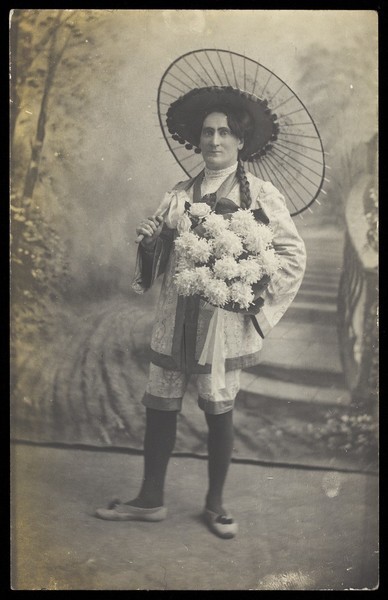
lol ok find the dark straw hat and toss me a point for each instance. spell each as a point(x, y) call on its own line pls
point(283, 145)
point(202, 100)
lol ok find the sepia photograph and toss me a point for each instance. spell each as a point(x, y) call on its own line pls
point(194, 299)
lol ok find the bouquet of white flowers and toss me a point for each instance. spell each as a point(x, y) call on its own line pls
point(227, 259)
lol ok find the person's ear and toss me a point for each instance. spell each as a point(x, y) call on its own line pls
point(240, 144)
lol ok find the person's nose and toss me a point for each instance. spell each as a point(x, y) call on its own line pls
point(215, 139)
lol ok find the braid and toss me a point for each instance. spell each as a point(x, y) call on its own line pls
point(245, 193)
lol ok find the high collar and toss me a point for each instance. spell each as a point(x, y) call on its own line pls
point(219, 173)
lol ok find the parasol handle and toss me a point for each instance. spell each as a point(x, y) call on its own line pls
point(141, 236)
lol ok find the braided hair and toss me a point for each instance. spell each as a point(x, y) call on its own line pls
point(245, 192)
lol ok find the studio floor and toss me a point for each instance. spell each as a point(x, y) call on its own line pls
point(300, 528)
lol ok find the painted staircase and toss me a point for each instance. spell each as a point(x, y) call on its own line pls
point(300, 358)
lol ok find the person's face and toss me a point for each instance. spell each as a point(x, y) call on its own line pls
point(218, 144)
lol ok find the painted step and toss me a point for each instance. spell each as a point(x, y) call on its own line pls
point(308, 284)
point(287, 329)
point(281, 390)
point(324, 292)
point(316, 297)
point(312, 313)
point(319, 277)
point(302, 354)
point(298, 375)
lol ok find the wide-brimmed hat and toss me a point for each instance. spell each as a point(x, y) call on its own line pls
point(283, 146)
point(200, 101)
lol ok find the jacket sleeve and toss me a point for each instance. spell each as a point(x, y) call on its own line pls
point(290, 248)
point(149, 265)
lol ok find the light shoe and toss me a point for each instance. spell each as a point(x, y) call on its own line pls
point(222, 525)
point(117, 511)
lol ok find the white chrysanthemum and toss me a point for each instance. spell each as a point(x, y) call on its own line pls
point(203, 278)
point(186, 282)
point(227, 243)
point(250, 270)
point(241, 293)
point(217, 292)
point(253, 242)
point(200, 210)
point(241, 221)
point(215, 225)
point(184, 241)
point(266, 233)
point(200, 251)
point(226, 268)
point(271, 261)
point(192, 247)
point(255, 235)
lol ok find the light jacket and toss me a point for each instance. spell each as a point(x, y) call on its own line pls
point(181, 323)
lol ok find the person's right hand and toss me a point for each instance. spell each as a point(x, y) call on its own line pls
point(150, 228)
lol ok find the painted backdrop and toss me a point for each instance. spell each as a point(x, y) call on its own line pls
point(89, 160)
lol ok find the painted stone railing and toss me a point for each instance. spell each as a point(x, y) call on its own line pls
point(358, 298)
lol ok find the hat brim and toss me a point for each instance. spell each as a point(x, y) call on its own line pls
point(285, 147)
point(198, 101)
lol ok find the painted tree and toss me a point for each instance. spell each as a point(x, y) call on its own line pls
point(49, 51)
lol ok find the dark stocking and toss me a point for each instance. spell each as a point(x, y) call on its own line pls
point(159, 443)
point(220, 447)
